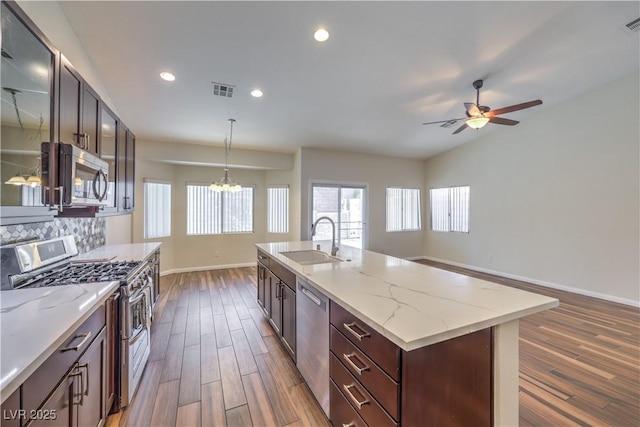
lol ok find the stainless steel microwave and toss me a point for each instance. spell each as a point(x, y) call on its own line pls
point(81, 178)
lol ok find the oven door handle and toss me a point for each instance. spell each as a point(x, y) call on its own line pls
point(135, 300)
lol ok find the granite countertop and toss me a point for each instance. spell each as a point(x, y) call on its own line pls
point(122, 252)
point(35, 322)
point(411, 304)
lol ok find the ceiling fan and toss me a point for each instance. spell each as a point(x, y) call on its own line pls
point(479, 115)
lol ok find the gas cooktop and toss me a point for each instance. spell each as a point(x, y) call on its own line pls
point(83, 273)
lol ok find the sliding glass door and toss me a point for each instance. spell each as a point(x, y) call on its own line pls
point(345, 205)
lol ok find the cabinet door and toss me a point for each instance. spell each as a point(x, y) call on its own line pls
point(108, 145)
point(261, 281)
point(59, 409)
point(288, 298)
point(70, 98)
point(90, 119)
point(113, 340)
point(121, 161)
point(130, 172)
point(92, 384)
point(11, 415)
point(275, 313)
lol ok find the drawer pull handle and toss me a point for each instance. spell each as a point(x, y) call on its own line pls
point(348, 388)
point(349, 327)
point(76, 348)
point(348, 357)
point(351, 424)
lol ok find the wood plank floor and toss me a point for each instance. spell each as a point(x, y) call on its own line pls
point(215, 362)
point(579, 362)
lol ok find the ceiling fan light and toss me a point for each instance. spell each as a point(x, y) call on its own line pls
point(477, 122)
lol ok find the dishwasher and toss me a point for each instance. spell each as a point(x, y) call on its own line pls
point(312, 341)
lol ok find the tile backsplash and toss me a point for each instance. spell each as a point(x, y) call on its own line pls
point(89, 233)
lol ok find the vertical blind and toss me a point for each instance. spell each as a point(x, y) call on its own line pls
point(210, 212)
point(157, 210)
point(450, 209)
point(278, 209)
point(403, 209)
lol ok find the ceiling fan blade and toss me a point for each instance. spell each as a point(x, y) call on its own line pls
point(513, 108)
point(444, 121)
point(472, 109)
point(503, 121)
point(461, 128)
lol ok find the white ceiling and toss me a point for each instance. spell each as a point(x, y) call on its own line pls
point(387, 67)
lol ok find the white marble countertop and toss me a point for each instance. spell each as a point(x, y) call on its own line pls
point(35, 322)
point(122, 252)
point(413, 305)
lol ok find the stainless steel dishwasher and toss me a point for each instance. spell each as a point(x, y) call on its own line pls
point(312, 341)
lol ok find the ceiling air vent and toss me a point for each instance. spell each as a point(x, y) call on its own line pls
point(222, 89)
point(633, 26)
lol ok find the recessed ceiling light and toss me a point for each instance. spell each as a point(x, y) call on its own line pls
point(256, 93)
point(321, 35)
point(165, 75)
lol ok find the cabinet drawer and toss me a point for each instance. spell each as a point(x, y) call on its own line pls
point(382, 351)
point(36, 388)
point(342, 414)
point(377, 382)
point(284, 274)
point(264, 259)
point(358, 396)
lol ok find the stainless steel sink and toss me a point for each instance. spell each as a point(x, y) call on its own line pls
point(310, 257)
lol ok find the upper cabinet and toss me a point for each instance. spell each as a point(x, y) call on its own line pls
point(80, 108)
point(27, 74)
point(45, 99)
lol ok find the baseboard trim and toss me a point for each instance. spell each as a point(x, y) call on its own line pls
point(207, 267)
point(552, 285)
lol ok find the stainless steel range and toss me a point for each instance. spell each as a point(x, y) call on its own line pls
point(49, 263)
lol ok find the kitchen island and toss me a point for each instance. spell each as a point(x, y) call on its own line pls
point(417, 308)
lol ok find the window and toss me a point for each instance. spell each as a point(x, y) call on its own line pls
point(210, 212)
point(450, 209)
point(403, 209)
point(278, 209)
point(157, 209)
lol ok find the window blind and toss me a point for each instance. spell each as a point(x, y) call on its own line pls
point(157, 210)
point(403, 209)
point(278, 209)
point(450, 209)
point(210, 212)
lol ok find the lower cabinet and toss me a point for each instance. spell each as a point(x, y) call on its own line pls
point(70, 387)
point(277, 297)
point(375, 383)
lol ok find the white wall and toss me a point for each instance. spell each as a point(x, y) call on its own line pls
point(378, 173)
point(181, 252)
point(554, 199)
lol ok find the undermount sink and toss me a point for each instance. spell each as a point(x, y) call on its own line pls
point(310, 257)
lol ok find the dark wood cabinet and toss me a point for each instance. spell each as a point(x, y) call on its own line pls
point(108, 145)
point(448, 383)
point(262, 278)
point(91, 388)
point(125, 154)
point(59, 409)
point(277, 297)
point(113, 349)
point(275, 304)
point(80, 108)
point(11, 415)
point(288, 298)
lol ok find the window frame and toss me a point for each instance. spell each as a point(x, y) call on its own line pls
point(450, 210)
point(146, 181)
point(221, 218)
point(403, 209)
point(287, 209)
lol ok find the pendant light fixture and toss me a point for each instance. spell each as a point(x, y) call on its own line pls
point(225, 184)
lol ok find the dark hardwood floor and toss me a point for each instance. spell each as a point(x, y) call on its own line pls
point(215, 362)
